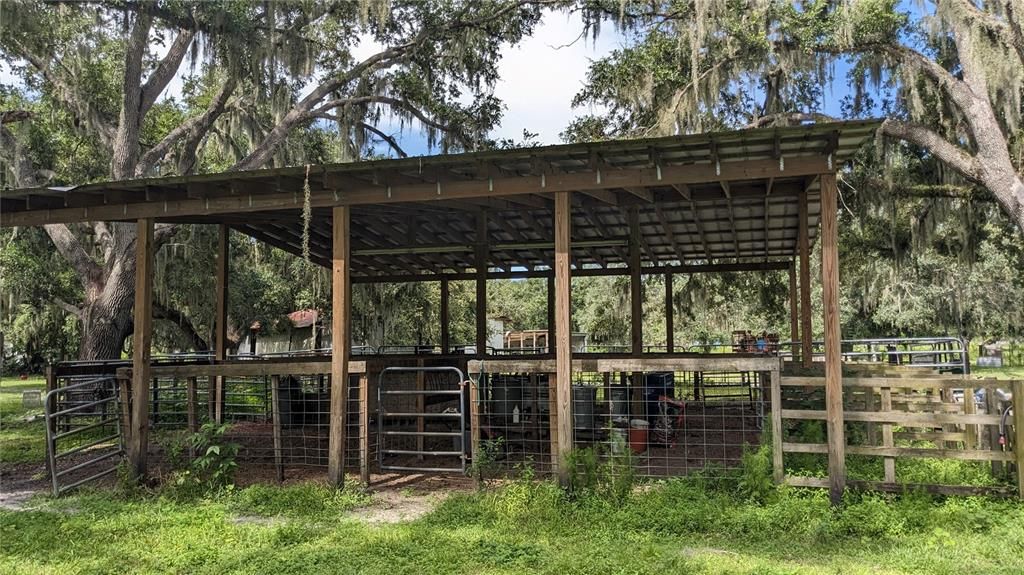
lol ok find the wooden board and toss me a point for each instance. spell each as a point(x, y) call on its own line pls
point(221, 319)
point(142, 336)
point(563, 332)
point(915, 419)
point(890, 452)
point(833, 338)
point(341, 340)
point(804, 248)
point(918, 383)
point(901, 487)
point(721, 362)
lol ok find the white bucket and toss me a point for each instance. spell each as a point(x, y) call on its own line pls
point(619, 439)
point(639, 424)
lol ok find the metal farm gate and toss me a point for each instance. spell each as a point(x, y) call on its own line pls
point(422, 415)
point(83, 432)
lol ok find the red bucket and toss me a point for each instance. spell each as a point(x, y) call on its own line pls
point(638, 430)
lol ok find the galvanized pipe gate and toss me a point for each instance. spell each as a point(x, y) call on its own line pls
point(421, 443)
point(96, 403)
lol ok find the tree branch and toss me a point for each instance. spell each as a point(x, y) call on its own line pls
point(71, 309)
point(953, 156)
point(1009, 31)
point(790, 117)
point(163, 233)
point(126, 142)
point(300, 112)
point(165, 71)
point(192, 130)
point(21, 164)
point(76, 103)
point(166, 312)
point(68, 245)
point(390, 140)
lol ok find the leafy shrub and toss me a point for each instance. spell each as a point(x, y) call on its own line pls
point(608, 476)
point(484, 464)
point(755, 481)
point(213, 467)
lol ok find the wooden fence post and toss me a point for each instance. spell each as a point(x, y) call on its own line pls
point(833, 338)
point(563, 331)
point(275, 406)
point(190, 400)
point(778, 468)
point(141, 339)
point(341, 340)
point(889, 463)
point(364, 429)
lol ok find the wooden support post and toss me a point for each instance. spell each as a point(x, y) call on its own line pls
point(871, 430)
point(794, 313)
point(192, 400)
point(806, 329)
point(275, 407)
point(636, 297)
point(364, 429)
point(833, 338)
point(474, 419)
point(481, 284)
point(124, 396)
point(141, 338)
point(670, 328)
point(341, 307)
point(992, 408)
point(446, 338)
point(778, 468)
point(970, 430)
point(563, 331)
point(550, 341)
point(888, 463)
point(1018, 433)
point(220, 350)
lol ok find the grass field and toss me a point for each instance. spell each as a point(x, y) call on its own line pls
point(675, 527)
point(21, 441)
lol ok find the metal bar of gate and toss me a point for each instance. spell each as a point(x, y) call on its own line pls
point(52, 415)
point(382, 414)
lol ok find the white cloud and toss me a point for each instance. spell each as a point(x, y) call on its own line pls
point(540, 77)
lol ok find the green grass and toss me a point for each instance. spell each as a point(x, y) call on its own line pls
point(674, 527)
point(21, 441)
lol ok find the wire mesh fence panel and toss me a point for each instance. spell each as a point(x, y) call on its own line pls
point(670, 423)
point(515, 421)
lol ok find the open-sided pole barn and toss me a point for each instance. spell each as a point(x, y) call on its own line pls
point(733, 201)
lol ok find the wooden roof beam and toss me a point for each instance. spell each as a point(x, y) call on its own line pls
point(606, 196)
point(700, 230)
point(663, 219)
point(425, 192)
point(642, 193)
point(732, 216)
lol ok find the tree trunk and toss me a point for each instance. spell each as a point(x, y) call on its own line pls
point(106, 322)
point(108, 309)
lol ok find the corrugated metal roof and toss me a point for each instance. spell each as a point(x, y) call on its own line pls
point(723, 211)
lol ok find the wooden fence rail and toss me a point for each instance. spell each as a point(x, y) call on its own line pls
point(907, 409)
